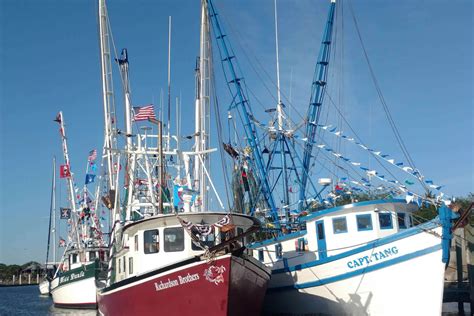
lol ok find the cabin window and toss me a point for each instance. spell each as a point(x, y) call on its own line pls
point(174, 239)
point(120, 265)
point(130, 265)
point(208, 240)
point(136, 242)
point(300, 244)
point(92, 255)
point(279, 251)
point(364, 222)
point(385, 220)
point(260, 254)
point(240, 231)
point(124, 266)
point(151, 241)
point(339, 225)
point(401, 221)
point(74, 258)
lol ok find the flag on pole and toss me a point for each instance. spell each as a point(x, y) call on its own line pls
point(89, 178)
point(65, 213)
point(58, 118)
point(143, 113)
point(62, 242)
point(64, 171)
point(92, 155)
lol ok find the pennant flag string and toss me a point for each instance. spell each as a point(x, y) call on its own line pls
point(399, 165)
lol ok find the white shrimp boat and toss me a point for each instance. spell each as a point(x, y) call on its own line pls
point(356, 259)
point(83, 261)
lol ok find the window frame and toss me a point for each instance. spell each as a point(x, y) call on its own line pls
point(146, 250)
point(389, 216)
point(278, 251)
point(130, 265)
point(136, 242)
point(260, 255)
point(364, 216)
point(166, 243)
point(404, 220)
point(334, 228)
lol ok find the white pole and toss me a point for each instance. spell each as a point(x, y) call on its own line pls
point(169, 84)
point(279, 105)
point(106, 94)
point(54, 211)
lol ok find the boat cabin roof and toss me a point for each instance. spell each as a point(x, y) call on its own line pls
point(163, 220)
point(398, 205)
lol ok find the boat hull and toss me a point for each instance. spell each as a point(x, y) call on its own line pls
point(44, 287)
point(76, 288)
point(228, 285)
point(401, 277)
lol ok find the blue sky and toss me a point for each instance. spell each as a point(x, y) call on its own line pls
point(421, 52)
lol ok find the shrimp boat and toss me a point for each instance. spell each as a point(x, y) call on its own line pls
point(170, 254)
point(74, 281)
point(356, 259)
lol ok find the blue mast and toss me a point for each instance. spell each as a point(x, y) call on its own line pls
point(247, 116)
point(317, 97)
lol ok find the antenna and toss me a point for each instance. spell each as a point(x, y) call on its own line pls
point(169, 84)
point(279, 105)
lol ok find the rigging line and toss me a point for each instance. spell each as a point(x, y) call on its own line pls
point(358, 137)
point(270, 91)
point(219, 128)
point(382, 99)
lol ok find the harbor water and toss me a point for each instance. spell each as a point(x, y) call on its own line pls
point(26, 300)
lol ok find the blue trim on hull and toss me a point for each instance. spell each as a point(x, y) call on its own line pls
point(377, 243)
point(352, 274)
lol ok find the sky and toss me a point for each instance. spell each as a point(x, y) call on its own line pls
point(420, 51)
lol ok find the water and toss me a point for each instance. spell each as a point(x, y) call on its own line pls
point(26, 300)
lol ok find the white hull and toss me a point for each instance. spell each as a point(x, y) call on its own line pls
point(407, 279)
point(44, 287)
point(77, 294)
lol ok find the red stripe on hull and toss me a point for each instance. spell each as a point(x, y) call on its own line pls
point(77, 305)
point(227, 286)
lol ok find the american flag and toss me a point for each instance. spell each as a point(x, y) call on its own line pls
point(92, 155)
point(143, 113)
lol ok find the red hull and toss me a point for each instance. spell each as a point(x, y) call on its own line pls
point(229, 285)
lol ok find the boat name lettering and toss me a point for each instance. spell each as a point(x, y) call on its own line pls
point(71, 277)
point(376, 256)
point(176, 282)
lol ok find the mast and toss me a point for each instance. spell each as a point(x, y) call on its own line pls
point(281, 131)
point(69, 178)
point(52, 225)
point(129, 174)
point(317, 97)
point(279, 105)
point(201, 159)
point(53, 210)
point(107, 92)
point(169, 85)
